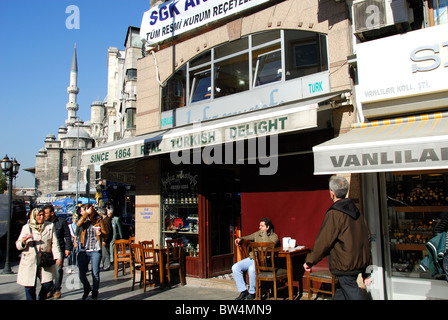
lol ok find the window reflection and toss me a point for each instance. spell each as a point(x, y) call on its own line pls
point(268, 68)
point(229, 64)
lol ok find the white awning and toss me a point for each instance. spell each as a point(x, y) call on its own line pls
point(402, 144)
point(276, 120)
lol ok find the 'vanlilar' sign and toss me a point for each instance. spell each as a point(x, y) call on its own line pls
point(178, 16)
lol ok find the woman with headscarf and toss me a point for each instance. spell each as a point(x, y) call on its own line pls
point(37, 235)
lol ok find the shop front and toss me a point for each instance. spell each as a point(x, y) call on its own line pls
point(227, 115)
point(402, 159)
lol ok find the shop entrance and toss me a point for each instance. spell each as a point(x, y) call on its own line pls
point(223, 213)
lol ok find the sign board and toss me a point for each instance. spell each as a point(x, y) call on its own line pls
point(258, 125)
point(256, 99)
point(404, 65)
point(175, 17)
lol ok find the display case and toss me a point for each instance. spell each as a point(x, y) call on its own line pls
point(180, 214)
point(416, 203)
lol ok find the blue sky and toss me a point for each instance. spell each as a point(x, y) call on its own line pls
point(36, 50)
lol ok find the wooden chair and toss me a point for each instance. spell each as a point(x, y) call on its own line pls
point(150, 257)
point(122, 253)
point(139, 264)
point(174, 260)
point(243, 249)
point(264, 258)
point(320, 277)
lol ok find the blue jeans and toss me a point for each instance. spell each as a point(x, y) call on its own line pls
point(30, 292)
point(238, 269)
point(94, 257)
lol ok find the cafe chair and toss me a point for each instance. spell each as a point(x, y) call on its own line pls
point(265, 269)
point(174, 260)
point(315, 281)
point(243, 249)
point(139, 264)
point(150, 258)
point(122, 253)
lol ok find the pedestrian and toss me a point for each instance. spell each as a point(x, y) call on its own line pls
point(442, 226)
point(105, 246)
point(37, 235)
point(345, 238)
point(65, 245)
point(117, 231)
point(90, 233)
point(72, 258)
point(265, 233)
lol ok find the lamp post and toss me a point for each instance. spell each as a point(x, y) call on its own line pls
point(11, 169)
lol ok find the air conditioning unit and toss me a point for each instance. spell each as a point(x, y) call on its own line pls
point(376, 14)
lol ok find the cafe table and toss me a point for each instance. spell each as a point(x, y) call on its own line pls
point(160, 251)
point(289, 255)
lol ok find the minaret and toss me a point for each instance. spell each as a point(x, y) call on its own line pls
point(73, 91)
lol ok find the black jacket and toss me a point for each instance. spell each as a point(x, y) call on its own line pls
point(63, 234)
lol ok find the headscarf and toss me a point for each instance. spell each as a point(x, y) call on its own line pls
point(33, 220)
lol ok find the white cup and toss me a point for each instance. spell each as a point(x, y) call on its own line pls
point(292, 243)
point(285, 242)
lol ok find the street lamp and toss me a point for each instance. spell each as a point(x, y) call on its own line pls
point(11, 169)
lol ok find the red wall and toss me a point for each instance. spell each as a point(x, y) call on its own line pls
point(295, 214)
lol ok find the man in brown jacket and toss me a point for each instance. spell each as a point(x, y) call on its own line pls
point(265, 233)
point(345, 238)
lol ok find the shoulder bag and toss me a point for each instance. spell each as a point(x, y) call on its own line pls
point(43, 259)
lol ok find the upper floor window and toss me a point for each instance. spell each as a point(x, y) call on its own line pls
point(244, 64)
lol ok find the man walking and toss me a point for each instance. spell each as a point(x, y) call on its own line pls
point(65, 245)
point(345, 237)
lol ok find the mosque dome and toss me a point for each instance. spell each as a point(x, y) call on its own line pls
point(73, 133)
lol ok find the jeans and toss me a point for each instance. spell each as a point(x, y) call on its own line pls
point(94, 257)
point(238, 269)
point(30, 292)
point(445, 265)
point(59, 272)
point(105, 250)
point(348, 289)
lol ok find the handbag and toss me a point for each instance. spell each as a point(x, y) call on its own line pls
point(43, 259)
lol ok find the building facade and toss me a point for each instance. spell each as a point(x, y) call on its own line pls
point(58, 169)
point(232, 96)
point(399, 149)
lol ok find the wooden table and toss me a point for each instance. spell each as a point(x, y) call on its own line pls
point(160, 251)
point(289, 255)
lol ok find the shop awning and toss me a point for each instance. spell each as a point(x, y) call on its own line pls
point(264, 122)
point(412, 143)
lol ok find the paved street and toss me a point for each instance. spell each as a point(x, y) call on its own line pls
point(120, 288)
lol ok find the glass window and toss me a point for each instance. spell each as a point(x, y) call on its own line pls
point(440, 11)
point(416, 203)
point(306, 53)
point(232, 76)
point(268, 66)
point(265, 37)
point(130, 118)
point(229, 65)
point(174, 91)
point(131, 74)
point(231, 48)
point(201, 85)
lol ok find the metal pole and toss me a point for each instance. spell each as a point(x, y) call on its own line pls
point(7, 268)
point(77, 166)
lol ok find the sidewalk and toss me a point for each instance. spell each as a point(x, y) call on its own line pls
point(120, 288)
